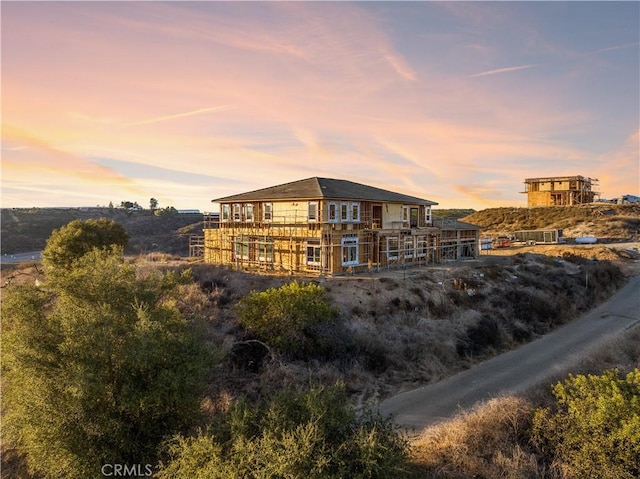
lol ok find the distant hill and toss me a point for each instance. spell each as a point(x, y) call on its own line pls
point(606, 221)
point(452, 213)
point(25, 230)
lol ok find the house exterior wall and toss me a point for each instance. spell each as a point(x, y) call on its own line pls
point(342, 236)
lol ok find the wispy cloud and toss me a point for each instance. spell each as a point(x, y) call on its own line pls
point(158, 119)
point(617, 47)
point(26, 154)
point(499, 71)
point(399, 65)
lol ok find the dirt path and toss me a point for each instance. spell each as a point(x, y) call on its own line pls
point(519, 369)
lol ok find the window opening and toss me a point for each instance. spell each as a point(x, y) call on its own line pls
point(349, 251)
point(313, 211)
point(392, 247)
point(408, 247)
point(226, 212)
point(314, 252)
point(267, 212)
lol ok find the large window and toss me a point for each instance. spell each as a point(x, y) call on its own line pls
point(313, 211)
point(343, 212)
point(314, 252)
point(349, 251)
point(393, 247)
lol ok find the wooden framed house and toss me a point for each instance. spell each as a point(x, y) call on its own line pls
point(327, 226)
point(560, 191)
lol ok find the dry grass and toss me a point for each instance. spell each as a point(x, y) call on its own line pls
point(486, 442)
point(492, 441)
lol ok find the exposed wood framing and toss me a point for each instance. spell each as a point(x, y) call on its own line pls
point(334, 248)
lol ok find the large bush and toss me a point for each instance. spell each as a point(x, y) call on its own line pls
point(298, 434)
point(74, 240)
point(294, 319)
point(594, 429)
point(98, 367)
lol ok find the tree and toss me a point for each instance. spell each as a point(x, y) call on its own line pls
point(169, 210)
point(69, 243)
point(594, 429)
point(98, 367)
point(153, 203)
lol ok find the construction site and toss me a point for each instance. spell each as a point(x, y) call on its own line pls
point(301, 248)
point(325, 226)
point(560, 191)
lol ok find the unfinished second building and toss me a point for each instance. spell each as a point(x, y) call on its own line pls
point(560, 191)
point(331, 226)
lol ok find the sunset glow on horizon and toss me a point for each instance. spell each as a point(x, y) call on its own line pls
point(455, 102)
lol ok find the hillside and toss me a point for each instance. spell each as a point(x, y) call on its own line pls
point(396, 330)
point(606, 221)
point(26, 230)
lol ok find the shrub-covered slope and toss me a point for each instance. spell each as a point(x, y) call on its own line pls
point(604, 221)
point(26, 230)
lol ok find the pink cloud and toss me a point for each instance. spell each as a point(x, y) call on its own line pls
point(25, 156)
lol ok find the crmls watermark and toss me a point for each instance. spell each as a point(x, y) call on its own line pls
point(127, 470)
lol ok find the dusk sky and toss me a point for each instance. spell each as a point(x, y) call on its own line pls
point(454, 102)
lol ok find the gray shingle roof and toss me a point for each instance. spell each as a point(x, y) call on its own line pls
point(324, 188)
point(456, 225)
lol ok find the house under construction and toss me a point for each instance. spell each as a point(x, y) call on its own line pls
point(560, 191)
point(330, 226)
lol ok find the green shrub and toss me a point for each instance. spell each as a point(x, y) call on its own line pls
point(594, 429)
point(297, 434)
point(74, 240)
point(293, 319)
point(98, 367)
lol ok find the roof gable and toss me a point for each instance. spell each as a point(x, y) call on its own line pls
point(324, 188)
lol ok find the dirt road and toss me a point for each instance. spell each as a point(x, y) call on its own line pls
point(518, 369)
